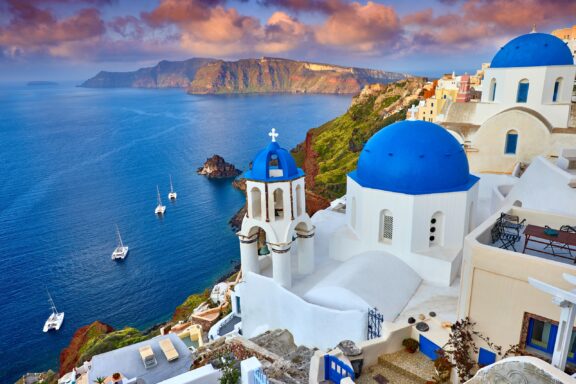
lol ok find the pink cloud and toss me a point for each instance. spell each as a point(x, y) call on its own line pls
point(30, 26)
point(360, 27)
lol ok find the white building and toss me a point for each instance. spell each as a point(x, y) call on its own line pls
point(409, 205)
point(526, 108)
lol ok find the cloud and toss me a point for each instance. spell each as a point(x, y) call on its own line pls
point(128, 27)
point(31, 27)
point(357, 27)
point(483, 23)
point(179, 11)
point(324, 6)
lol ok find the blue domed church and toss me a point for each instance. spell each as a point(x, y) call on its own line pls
point(393, 238)
point(411, 195)
point(526, 109)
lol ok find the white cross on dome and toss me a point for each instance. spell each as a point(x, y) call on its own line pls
point(273, 134)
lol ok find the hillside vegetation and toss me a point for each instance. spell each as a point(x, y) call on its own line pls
point(331, 150)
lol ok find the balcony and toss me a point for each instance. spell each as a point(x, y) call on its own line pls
point(532, 233)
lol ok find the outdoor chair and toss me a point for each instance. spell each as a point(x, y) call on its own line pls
point(507, 230)
point(561, 248)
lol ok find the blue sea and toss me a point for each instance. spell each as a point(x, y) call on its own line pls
point(74, 162)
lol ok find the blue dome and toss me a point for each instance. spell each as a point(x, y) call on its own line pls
point(413, 157)
point(273, 164)
point(533, 50)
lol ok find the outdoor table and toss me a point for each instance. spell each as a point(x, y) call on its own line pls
point(566, 241)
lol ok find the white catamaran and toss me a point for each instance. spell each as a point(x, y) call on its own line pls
point(120, 251)
point(172, 195)
point(160, 209)
point(55, 320)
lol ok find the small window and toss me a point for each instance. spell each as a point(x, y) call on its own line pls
point(435, 236)
point(386, 226)
point(557, 85)
point(523, 87)
point(492, 90)
point(541, 335)
point(511, 143)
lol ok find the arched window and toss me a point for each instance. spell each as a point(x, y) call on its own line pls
point(279, 204)
point(298, 200)
point(353, 213)
point(492, 94)
point(436, 236)
point(386, 226)
point(557, 86)
point(522, 95)
point(274, 167)
point(256, 201)
point(511, 142)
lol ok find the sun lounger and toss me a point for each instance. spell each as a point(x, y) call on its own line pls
point(148, 358)
point(168, 348)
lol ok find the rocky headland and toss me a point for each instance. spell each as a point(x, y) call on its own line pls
point(264, 75)
point(165, 74)
point(217, 168)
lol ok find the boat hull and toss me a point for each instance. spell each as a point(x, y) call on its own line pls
point(54, 322)
point(160, 210)
point(120, 253)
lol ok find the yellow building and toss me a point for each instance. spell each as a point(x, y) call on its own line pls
point(496, 294)
point(569, 36)
point(446, 92)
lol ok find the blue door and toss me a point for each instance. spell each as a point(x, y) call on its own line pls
point(428, 348)
point(335, 369)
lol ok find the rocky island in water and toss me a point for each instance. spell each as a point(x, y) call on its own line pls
point(217, 168)
point(264, 75)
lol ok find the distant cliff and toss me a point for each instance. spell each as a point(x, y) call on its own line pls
point(270, 75)
point(265, 75)
point(165, 74)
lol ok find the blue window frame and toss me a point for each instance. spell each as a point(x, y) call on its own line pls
point(542, 337)
point(523, 87)
point(556, 89)
point(486, 357)
point(511, 142)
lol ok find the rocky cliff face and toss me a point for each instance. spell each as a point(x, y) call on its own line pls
point(270, 75)
point(166, 74)
point(331, 150)
point(216, 167)
point(69, 357)
point(265, 75)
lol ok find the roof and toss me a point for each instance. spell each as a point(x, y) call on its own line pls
point(533, 50)
point(273, 163)
point(414, 157)
point(128, 362)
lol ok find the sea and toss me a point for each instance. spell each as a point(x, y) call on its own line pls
point(75, 162)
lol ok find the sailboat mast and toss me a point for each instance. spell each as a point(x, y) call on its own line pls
point(159, 199)
point(51, 302)
point(119, 237)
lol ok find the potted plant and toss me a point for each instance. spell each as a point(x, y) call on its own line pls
point(443, 367)
point(411, 345)
point(117, 377)
point(100, 380)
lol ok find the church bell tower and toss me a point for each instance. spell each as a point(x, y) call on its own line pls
point(276, 206)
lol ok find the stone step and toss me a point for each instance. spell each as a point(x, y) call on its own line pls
point(380, 374)
point(413, 365)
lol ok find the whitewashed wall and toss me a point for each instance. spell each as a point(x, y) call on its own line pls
point(412, 213)
point(266, 305)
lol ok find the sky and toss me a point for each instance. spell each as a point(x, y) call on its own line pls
point(75, 39)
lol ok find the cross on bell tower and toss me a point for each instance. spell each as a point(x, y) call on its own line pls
point(273, 134)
